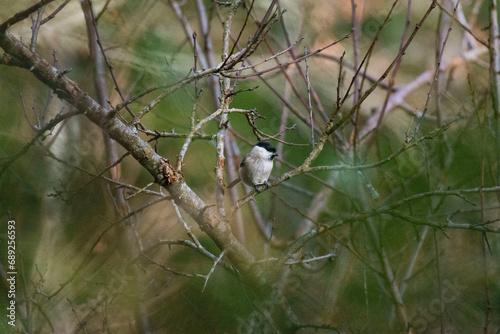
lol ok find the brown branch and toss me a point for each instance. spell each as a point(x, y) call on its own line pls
point(334, 124)
point(315, 96)
point(54, 13)
point(397, 98)
point(22, 15)
point(463, 25)
point(40, 133)
point(100, 59)
point(396, 68)
point(279, 66)
point(88, 256)
point(205, 215)
point(35, 27)
point(437, 72)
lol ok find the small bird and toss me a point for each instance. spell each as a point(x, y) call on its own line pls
point(256, 166)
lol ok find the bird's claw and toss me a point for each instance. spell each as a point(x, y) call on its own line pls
point(256, 186)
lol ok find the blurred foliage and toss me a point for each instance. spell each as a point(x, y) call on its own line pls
point(66, 226)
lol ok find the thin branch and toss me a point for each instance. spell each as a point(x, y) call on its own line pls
point(347, 64)
point(315, 96)
point(279, 66)
point(185, 243)
point(35, 26)
point(99, 175)
point(366, 57)
point(207, 277)
point(254, 41)
point(54, 13)
point(23, 14)
point(363, 216)
point(463, 25)
point(494, 48)
point(437, 71)
point(80, 323)
point(94, 39)
point(329, 256)
point(170, 270)
point(439, 226)
point(40, 133)
point(164, 134)
point(274, 56)
point(194, 130)
point(388, 272)
point(89, 255)
point(227, 68)
point(457, 193)
point(309, 99)
point(103, 10)
point(233, 10)
point(397, 98)
point(396, 68)
point(186, 227)
point(206, 60)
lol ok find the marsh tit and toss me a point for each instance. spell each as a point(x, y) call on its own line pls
point(256, 166)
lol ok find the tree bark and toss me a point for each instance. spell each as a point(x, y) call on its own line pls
point(163, 173)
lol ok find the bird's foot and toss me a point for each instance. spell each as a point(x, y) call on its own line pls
point(256, 186)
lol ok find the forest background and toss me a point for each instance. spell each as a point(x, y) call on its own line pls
point(122, 122)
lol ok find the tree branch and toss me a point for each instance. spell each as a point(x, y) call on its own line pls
point(22, 15)
point(184, 196)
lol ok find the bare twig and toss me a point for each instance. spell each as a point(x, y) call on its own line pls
point(186, 227)
point(103, 10)
point(397, 98)
point(35, 26)
point(273, 57)
point(89, 254)
point(40, 134)
point(164, 134)
point(194, 130)
point(301, 261)
point(212, 269)
point(170, 270)
point(356, 27)
point(95, 41)
point(462, 24)
point(284, 65)
point(315, 96)
point(309, 99)
point(54, 13)
point(369, 52)
point(396, 67)
point(437, 71)
point(494, 48)
point(23, 14)
point(80, 323)
point(388, 273)
point(207, 60)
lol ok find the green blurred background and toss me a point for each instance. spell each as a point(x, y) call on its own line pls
point(62, 214)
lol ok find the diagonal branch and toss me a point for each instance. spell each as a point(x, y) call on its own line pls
point(22, 15)
point(205, 215)
point(40, 133)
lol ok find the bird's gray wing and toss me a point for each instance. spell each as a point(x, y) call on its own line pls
point(242, 163)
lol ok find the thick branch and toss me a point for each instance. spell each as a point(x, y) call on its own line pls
point(183, 195)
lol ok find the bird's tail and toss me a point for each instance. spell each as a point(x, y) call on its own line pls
point(235, 182)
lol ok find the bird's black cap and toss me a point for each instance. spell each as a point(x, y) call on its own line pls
point(267, 146)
